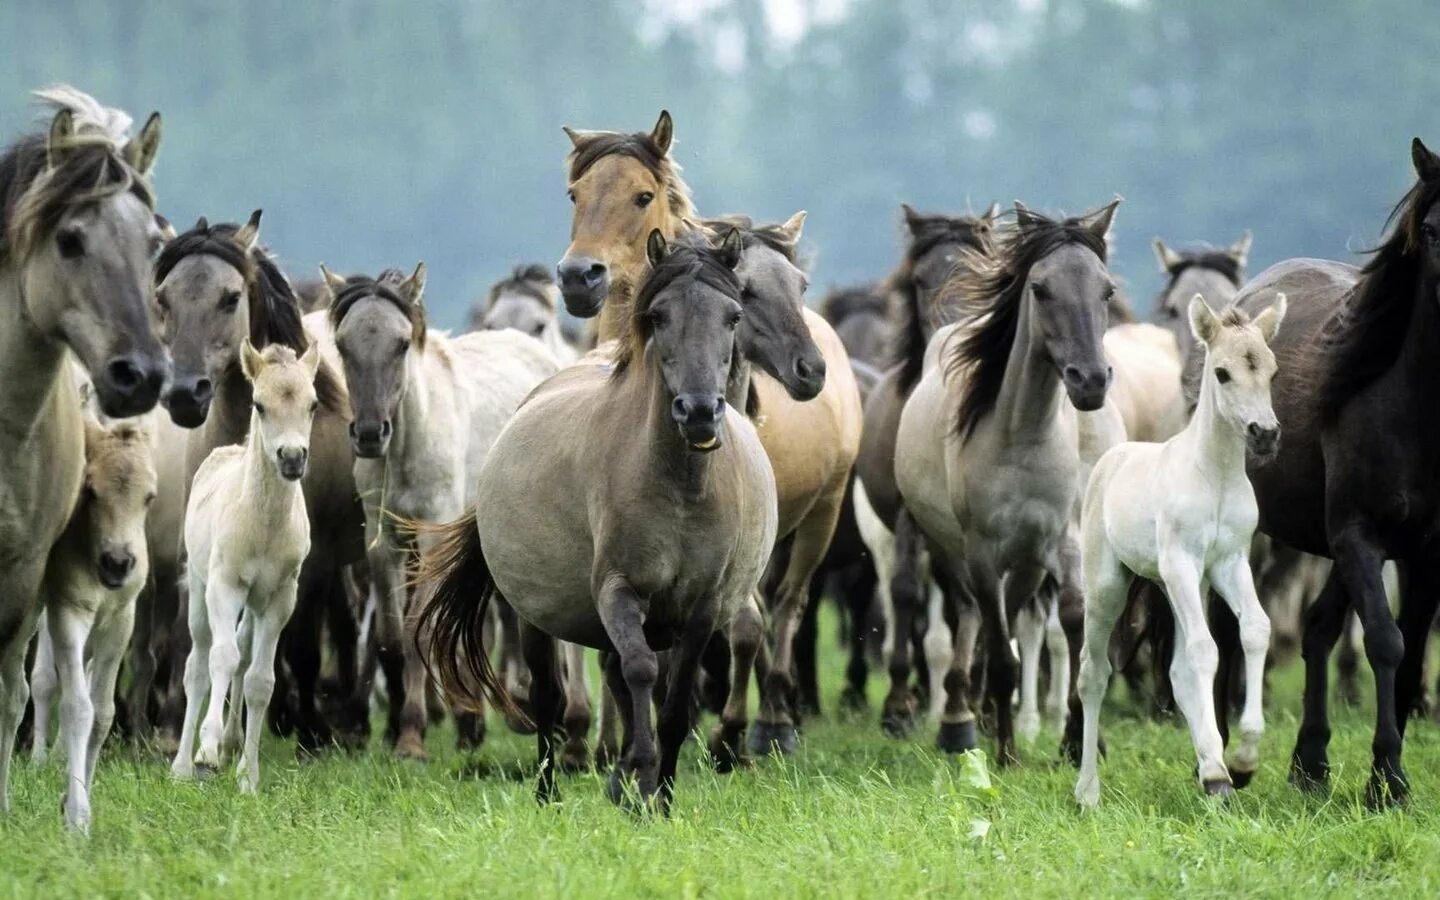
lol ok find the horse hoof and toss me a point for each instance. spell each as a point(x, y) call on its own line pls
point(853, 700)
point(727, 750)
point(1382, 793)
point(773, 737)
point(615, 787)
point(1240, 779)
point(518, 725)
point(897, 725)
point(1219, 787)
point(956, 737)
point(1312, 778)
point(205, 771)
point(574, 760)
point(411, 747)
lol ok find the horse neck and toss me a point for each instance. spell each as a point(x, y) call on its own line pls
point(1416, 360)
point(262, 490)
point(1212, 444)
point(413, 414)
point(1028, 403)
point(31, 363)
point(229, 419)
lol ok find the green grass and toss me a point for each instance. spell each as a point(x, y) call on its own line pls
point(853, 814)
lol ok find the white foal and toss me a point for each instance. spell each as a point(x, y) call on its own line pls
point(246, 534)
point(1182, 514)
point(93, 576)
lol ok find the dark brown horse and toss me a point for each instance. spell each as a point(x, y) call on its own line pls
point(1355, 478)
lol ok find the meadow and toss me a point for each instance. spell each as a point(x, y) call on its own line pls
point(853, 814)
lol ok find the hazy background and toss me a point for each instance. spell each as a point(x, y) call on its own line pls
point(379, 133)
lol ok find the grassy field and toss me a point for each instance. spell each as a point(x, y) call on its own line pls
point(853, 814)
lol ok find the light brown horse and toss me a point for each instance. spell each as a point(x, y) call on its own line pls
point(628, 508)
point(77, 233)
point(623, 187)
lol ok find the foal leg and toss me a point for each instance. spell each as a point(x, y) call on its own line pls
point(69, 628)
point(576, 756)
point(108, 647)
point(746, 634)
point(1107, 585)
point(1030, 636)
point(621, 612)
point(235, 715)
point(1193, 669)
point(225, 601)
point(1235, 584)
point(259, 684)
point(197, 678)
point(44, 684)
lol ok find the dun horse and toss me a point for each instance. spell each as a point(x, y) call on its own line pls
point(1182, 513)
point(246, 536)
point(625, 185)
point(528, 302)
point(628, 508)
point(95, 573)
point(426, 410)
point(988, 454)
point(77, 232)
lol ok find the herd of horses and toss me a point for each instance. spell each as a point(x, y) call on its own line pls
point(1004, 480)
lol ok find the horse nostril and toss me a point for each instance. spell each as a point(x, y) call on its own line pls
point(680, 409)
point(124, 374)
point(803, 368)
point(202, 390)
point(385, 429)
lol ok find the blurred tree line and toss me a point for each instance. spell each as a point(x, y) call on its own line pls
point(378, 133)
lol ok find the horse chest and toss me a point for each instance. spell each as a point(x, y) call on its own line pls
point(1022, 510)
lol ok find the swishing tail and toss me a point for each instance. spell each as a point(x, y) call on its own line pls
point(453, 576)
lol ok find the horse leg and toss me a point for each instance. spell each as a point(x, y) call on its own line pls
point(677, 711)
point(746, 634)
point(44, 685)
point(224, 602)
point(860, 595)
point(231, 743)
point(69, 628)
point(147, 621)
point(1358, 560)
point(1070, 610)
point(807, 638)
point(413, 714)
point(387, 595)
point(897, 716)
point(1030, 636)
point(109, 645)
point(1347, 664)
point(540, 654)
point(1309, 763)
point(344, 631)
point(512, 663)
point(302, 642)
point(957, 715)
point(775, 725)
point(576, 755)
point(1058, 693)
point(1193, 669)
point(1419, 594)
point(939, 648)
point(1235, 584)
point(621, 612)
point(197, 678)
point(177, 652)
point(259, 681)
point(1107, 586)
point(1225, 628)
point(13, 691)
point(607, 742)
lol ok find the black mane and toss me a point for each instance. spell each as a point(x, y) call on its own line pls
point(989, 294)
point(1363, 339)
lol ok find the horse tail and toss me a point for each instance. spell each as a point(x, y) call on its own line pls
point(454, 574)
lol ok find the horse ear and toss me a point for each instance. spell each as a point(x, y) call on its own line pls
point(1269, 321)
point(663, 134)
point(578, 136)
point(62, 132)
point(167, 228)
point(731, 247)
point(1169, 259)
point(334, 282)
point(251, 362)
point(140, 150)
point(793, 227)
point(1024, 217)
point(1427, 164)
point(202, 224)
point(413, 288)
point(1204, 324)
point(655, 248)
point(913, 219)
point(248, 235)
point(1101, 221)
point(991, 214)
point(310, 359)
point(1240, 250)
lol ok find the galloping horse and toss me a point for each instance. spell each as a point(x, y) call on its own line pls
point(216, 286)
point(1354, 476)
point(77, 233)
point(988, 454)
point(626, 185)
point(649, 533)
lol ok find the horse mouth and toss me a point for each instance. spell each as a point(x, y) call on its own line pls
point(705, 446)
point(292, 471)
point(185, 412)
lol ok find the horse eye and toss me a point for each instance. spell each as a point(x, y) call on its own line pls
point(571, 195)
point(401, 346)
point(162, 301)
point(69, 243)
point(314, 405)
point(643, 199)
point(260, 408)
point(1040, 293)
point(657, 320)
point(1428, 232)
point(1222, 375)
point(732, 320)
point(229, 301)
point(149, 498)
point(1109, 294)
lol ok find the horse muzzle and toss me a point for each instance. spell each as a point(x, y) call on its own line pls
point(292, 462)
point(1261, 442)
point(114, 568)
point(130, 384)
point(188, 401)
point(1086, 387)
point(700, 420)
point(808, 380)
point(584, 285)
point(370, 440)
